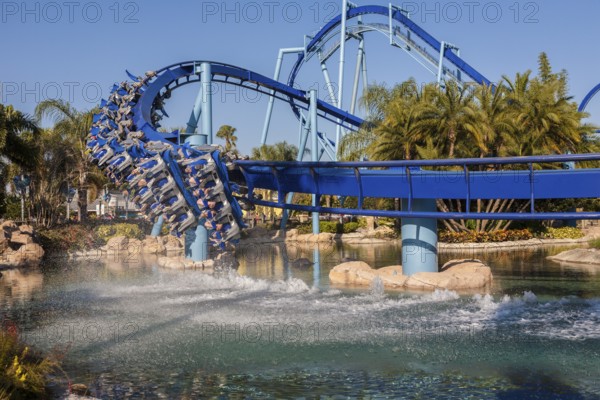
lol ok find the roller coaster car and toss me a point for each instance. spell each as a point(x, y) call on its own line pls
point(174, 203)
point(163, 185)
point(219, 211)
point(121, 162)
point(103, 155)
point(185, 224)
point(210, 192)
point(155, 165)
point(157, 146)
point(155, 209)
point(143, 195)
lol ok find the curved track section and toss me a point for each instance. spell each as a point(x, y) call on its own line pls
point(588, 97)
point(396, 15)
point(190, 186)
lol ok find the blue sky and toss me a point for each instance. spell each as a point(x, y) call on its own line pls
point(76, 50)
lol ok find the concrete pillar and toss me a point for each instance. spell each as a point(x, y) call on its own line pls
point(419, 239)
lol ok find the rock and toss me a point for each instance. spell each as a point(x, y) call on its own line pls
point(171, 262)
point(134, 246)
point(9, 226)
point(152, 245)
point(392, 276)
point(117, 244)
point(20, 238)
point(79, 389)
point(455, 275)
point(28, 229)
point(352, 273)
point(172, 243)
point(578, 256)
point(3, 242)
point(29, 254)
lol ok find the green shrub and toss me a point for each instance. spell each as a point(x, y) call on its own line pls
point(23, 374)
point(565, 232)
point(595, 244)
point(131, 231)
point(330, 227)
point(484, 237)
point(68, 237)
point(350, 227)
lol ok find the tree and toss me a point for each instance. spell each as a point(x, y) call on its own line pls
point(227, 133)
point(13, 147)
point(16, 154)
point(74, 126)
point(281, 151)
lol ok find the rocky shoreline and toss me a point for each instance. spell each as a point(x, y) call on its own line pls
point(19, 246)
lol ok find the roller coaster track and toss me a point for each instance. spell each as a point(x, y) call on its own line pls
point(202, 185)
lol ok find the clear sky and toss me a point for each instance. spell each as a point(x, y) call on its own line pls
point(75, 50)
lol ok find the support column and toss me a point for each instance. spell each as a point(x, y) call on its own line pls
point(196, 240)
point(419, 239)
point(314, 150)
point(157, 226)
point(338, 132)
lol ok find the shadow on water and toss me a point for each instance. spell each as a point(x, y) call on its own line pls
point(535, 385)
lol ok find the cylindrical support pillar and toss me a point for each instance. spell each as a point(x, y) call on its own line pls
point(196, 240)
point(419, 239)
point(157, 226)
point(207, 92)
point(196, 243)
point(314, 153)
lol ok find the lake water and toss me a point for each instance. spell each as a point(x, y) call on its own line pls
point(129, 329)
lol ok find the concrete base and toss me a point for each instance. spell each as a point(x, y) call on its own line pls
point(454, 275)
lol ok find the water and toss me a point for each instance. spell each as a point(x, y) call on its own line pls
point(276, 329)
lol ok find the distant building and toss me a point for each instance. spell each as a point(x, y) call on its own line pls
point(117, 205)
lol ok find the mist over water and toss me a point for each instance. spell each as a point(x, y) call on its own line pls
point(274, 330)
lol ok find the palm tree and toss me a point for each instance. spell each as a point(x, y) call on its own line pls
point(13, 146)
point(74, 126)
point(281, 151)
point(227, 133)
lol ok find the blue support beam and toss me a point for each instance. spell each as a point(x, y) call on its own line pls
point(314, 150)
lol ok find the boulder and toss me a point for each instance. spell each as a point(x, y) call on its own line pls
point(454, 275)
point(9, 226)
point(392, 276)
point(20, 238)
point(117, 244)
point(152, 245)
point(578, 256)
point(28, 229)
point(352, 273)
point(172, 243)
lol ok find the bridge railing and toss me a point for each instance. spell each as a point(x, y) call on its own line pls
point(416, 179)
